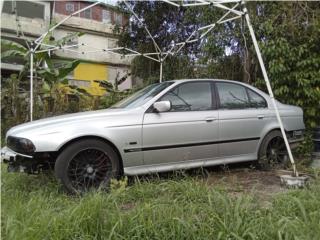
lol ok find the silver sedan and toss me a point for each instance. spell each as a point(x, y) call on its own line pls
point(166, 126)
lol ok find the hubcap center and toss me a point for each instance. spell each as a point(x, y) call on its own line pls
point(89, 169)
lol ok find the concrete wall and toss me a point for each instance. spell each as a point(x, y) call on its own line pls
point(113, 72)
point(96, 11)
point(94, 42)
point(86, 24)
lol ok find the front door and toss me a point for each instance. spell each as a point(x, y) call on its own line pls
point(186, 133)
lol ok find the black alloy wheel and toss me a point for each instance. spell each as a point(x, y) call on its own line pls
point(273, 152)
point(89, 169)
point(276, 152)
point(87, 164)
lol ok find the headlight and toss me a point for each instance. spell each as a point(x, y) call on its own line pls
point(20, 145)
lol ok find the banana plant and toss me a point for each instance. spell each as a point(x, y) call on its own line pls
point(50, 85)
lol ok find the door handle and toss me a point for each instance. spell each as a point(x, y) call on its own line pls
point(210, 119)
point(260, 116)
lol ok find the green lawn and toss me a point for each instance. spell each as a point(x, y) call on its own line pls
point(184, 207)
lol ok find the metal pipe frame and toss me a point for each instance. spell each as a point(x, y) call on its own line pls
point(208, 27)
point(110, 50)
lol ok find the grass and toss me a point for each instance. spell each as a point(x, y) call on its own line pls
point(185, 207)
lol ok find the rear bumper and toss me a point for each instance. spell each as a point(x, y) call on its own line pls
point(294, 143)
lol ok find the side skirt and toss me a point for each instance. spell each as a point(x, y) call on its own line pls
point(139, 170)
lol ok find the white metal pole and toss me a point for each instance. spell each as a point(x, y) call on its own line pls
point(31, 84)
point(266, 78)
point(161, 69)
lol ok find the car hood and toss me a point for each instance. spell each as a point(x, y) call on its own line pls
point(110, 117)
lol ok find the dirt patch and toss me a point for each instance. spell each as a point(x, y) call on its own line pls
point(127, 206)
point(263, 184)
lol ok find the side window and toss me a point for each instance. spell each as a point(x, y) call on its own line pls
point(232, 96)
point(256, 101)
point(191, 96)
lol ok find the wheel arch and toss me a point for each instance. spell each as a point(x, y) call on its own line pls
point(71, 141)
point(265, 134)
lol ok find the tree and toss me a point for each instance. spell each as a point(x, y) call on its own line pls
point(166, 24)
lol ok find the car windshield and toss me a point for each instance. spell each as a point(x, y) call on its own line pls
point(141, 97)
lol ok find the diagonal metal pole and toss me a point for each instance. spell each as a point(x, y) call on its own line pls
point(266, 79)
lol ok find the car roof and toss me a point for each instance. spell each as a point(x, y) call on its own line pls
point(203, 79)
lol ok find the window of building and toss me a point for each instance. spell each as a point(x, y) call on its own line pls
point(8, 7)
point(25, 9)
point(106, 16)
point(118, 18)
point(190, 97)
point(69, 7)
point(232, 96)
point(87, 13)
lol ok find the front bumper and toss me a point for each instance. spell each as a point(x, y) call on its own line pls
point(17, 162)
point(31, 164)
point(8, 155)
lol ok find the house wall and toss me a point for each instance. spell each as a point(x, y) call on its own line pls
point(98, 33)
point(94, 43)
point(90, 72)
point(96, 11)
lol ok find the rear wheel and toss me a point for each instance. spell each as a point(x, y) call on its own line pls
point(273, 152)
point(87, 164)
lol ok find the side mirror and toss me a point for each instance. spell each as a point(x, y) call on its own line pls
point(162, 106)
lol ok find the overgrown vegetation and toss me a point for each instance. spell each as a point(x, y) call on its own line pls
point(158, 208)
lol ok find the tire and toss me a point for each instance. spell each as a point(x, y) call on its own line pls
point(272, 152)
point(87, 164)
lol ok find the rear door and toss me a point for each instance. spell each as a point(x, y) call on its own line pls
point(243, 114)
point(185, 133)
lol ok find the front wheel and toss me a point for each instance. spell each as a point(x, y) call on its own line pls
point(273, 152)
point(87, 164)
